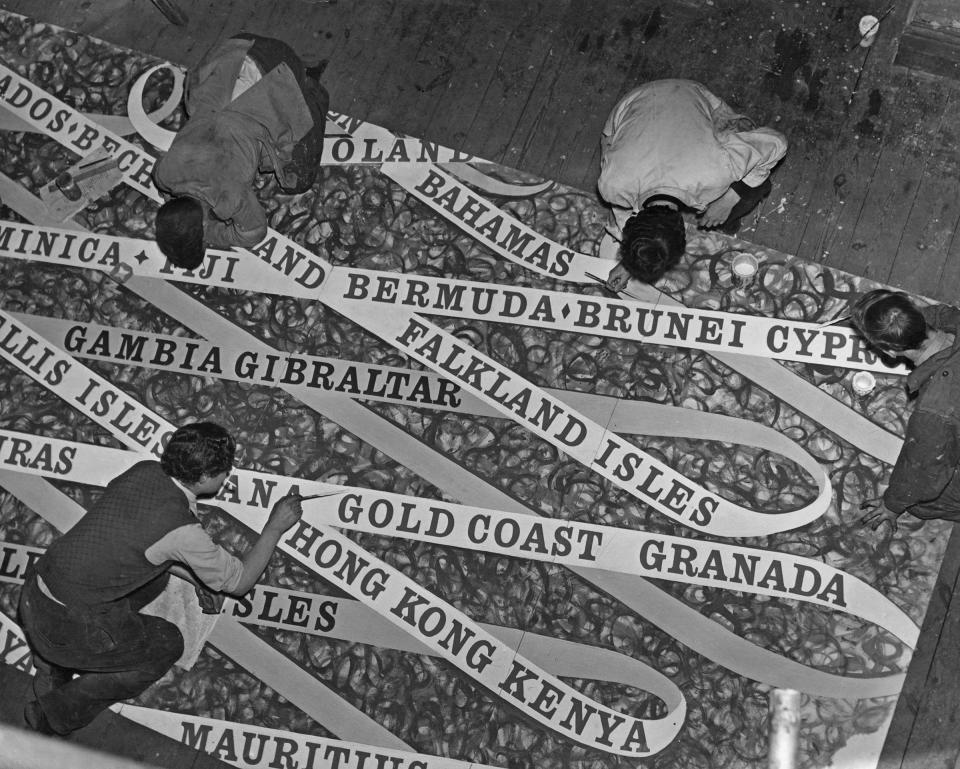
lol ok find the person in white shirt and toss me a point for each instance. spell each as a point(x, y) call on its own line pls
point(670, 146)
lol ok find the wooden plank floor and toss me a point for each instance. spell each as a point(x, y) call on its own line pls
point(870, 184)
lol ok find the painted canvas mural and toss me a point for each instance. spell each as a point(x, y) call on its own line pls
point(559, 527)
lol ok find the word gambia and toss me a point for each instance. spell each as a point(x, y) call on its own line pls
point(248, 365)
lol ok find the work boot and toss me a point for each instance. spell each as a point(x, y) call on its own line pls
point(36, 719)
point(48, 677)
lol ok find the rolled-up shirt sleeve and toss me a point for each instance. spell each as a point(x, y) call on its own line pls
point(191, 545)
point(756, 152)
point(927, 462)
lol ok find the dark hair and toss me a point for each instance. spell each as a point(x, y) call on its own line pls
point(179, 227)
point(653, 241)
point(888, 319)
point(198, 449)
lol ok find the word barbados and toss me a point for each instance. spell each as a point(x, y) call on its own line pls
point(382, 148)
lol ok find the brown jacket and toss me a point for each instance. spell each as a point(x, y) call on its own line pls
point(925, 481)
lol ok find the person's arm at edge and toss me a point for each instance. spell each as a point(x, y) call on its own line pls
point(927, 462)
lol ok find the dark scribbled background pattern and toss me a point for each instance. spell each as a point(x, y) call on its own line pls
point(355, 216)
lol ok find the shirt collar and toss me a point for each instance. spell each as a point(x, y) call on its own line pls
point(191, 497)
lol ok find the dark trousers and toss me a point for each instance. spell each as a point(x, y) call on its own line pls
point(268, 53)
point(750, 198)
point(114, 651)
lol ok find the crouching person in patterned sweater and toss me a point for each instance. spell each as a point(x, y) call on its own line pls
point(80, 604)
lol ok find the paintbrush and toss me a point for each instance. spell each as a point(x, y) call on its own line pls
point(833, 321)
point(317, 496)
point(603, 283)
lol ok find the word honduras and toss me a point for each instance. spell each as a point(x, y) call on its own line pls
point(73, 130)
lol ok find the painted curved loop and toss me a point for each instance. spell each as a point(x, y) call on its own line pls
point(147, 125)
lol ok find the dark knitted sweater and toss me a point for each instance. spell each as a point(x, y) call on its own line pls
point(101, 559)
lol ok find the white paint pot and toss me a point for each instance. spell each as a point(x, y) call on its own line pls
point(869, 26)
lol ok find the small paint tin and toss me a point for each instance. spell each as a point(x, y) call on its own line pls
point(869, 26)
point(864, 382)
point(70, 189)
point(744, 269)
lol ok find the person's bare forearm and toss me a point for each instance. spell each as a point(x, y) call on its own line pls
point(285, 514)
point(256, 560)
